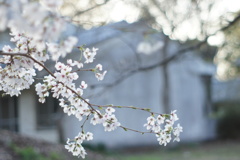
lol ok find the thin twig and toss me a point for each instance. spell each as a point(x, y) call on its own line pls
point(78, 70)
point(126, 129)
point(129, 107)
point(85, 122)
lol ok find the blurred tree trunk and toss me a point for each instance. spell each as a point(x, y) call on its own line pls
point(165, 78)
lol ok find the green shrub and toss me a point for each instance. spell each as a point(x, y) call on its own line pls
point(100, 147)
point(229, 121)
point(28, 153)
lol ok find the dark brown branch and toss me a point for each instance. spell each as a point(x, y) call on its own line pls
point(42, 65)
point(236, 19)
point(28, 56)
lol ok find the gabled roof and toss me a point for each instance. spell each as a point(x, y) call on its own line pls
point(98, 34)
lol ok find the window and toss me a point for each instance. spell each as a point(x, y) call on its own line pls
point(48, 113)
point(207, 81)
point(8, 113)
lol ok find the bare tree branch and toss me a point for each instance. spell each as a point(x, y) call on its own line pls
point(150, 67)
point(236, 19)
point(167, 60)
point(92, 8)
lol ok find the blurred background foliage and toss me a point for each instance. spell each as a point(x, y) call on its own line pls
point(216, 22)
point(229, 122)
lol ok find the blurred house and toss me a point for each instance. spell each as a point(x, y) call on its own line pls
point(131, 54)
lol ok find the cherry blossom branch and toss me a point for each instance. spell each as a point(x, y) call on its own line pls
point(45, 68)
point(28, 56)
point(108, 119)
point(89, 104)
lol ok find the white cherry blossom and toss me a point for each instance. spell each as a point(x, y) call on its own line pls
point(100, 76)
point(166, 122)
point(99, 67)
point(89, 55)
point(83, 85)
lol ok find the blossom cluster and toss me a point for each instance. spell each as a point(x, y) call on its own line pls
point(16, 72)
point(32, 18)
point(40, 27)
point(162, 126)
point(108, 120)
point(15, 79)
point(62, 84)
point(75, 145)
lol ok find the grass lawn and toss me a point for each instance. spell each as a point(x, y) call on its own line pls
point(207, 151)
